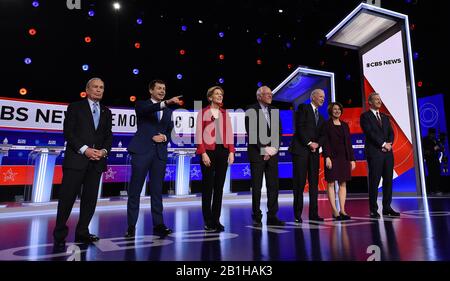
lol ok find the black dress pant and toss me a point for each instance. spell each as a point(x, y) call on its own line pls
point(72, 181)
point(213, 179)
point(379, 166)
point(270, 169)
point(434, 174)
point(306, 165)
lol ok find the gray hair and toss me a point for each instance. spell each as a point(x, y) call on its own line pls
point(316, 91)
point(92, 79)
point(259, 91)
point(370, 98)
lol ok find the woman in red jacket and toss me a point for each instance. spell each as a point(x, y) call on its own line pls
point(214, 138)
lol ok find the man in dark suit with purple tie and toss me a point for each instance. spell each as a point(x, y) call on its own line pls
point(380, 158)
point(148, 149)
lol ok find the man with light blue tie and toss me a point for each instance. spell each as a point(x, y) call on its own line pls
point(87, 131)
point(148, 150)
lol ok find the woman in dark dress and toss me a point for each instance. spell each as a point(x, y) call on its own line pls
point(339, 158)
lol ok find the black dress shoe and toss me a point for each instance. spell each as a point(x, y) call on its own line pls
point(344, 217)
point(316, 218)
point(131, 232)
point(161, 229)
point(86, 239)
point(275, 221)
point(374, 215)
point(257, 220)
point(209, 227)
point(299, 220)
point(257, 223)
point(337, 218)
point(391, 213)
point(219, 227)
point(59, 245)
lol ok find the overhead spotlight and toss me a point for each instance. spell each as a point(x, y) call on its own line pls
point(83, 95)
point(258, 61)
point(416, 55)
point(116, 5)
point(221, 80)
point(348, 77)
point(137, 45)
point(221, 57)
point(420, 84)
point(182, 52)
point(135, 71)
point(23, 91)
point(179, 76)
point(259, 84)
point(280, 11)
point(258, 40)
point(87, 39)
point(289, 66)
point(288, 45)
point(200, 21)
point(183, 27)
point(32, 31)
point(132, 98)
point(27, 61)
point(35, 4)
point(91, 13)
point(85, 67)
point(139, 21)
point(221, 34)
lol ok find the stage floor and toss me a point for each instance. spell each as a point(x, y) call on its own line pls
point(421, 234)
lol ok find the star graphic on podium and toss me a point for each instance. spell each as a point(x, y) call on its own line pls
point(9, 175)
point(246, 171)
point(109, 174)
point(168, 172)
point(195, 173)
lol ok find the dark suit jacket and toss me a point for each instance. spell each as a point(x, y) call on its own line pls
point(254, 150)
point(329, 147)
point(376, 135)
point(148, 126)
point(428, 145)
point(79, 130)
point(306, 130)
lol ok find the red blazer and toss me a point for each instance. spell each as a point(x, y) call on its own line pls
point(206, 131)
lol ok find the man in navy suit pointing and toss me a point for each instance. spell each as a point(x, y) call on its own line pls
point(148, 150)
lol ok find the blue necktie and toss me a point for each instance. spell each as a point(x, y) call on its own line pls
point(158, 115)
point(316, 115)
point(95, 114)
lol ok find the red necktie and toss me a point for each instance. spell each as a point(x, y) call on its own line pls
point(379, 120)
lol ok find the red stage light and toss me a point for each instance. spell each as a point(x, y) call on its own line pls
point(87, 39)
point(32, 31)
point(23, 91)
point(83, 94)
point(289, 66)
point(221, 57)
point(133, 98)
point(412, 26)
point(137, 45)
point(182, 52)
point(258, 61)
point(420, 84)
point(322, 63)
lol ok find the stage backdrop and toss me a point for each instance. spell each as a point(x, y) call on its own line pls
point(384, 73)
